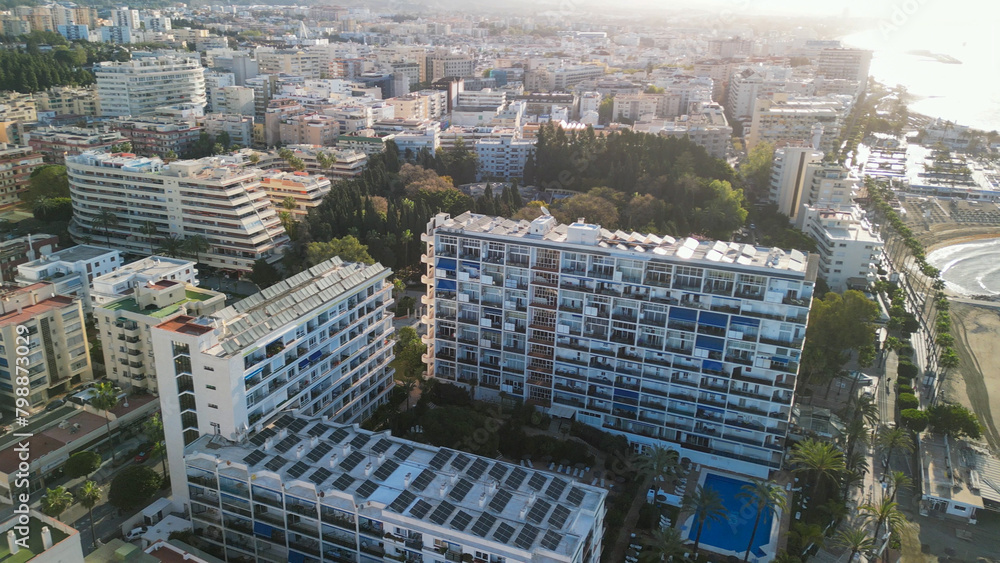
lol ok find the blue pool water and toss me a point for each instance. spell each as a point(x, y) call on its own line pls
point(733, 534)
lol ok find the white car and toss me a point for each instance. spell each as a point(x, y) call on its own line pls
point(136, 533)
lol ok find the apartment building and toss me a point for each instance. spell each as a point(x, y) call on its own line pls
point(55, 143)
point(215, 197)
point(847, 64)
point(305, 490)
point(58, 355)
point(692, 345)
point(309, 129)
point(123, 280)
point(307, 64)
point(346, 163)
point(143, 84)
point(125, 324)
point(215, 81)
point(446, 65)
point(317, 344)
point(783, 119)
point(503, 158)
point(848, 246)
point(68, 100)
point(71, 271)
point(307, 190)
point(789, 179)
point(238, 127)
point(16, 109)
point(17, 251)
point(156, 136)
point(707, 128)
point(16, 165)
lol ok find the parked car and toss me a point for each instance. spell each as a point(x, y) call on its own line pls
point(141, 456)
point(136, 533)
point(55, 404)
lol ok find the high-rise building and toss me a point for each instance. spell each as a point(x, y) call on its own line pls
point(58, 355)
point(125, 17)
point(304, 490)
point(141, 85)
point(317, 343)
point(848, 246)
point(692, 345)
point(16, 165)
point(68, 100)
point(55, 143)
point(848, 64)
point(784, 119)
point(214, 197)
point(789, 180)
point(71, 271)
point(305, 189)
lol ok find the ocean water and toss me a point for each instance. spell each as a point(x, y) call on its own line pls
point(968, 93)
point(971, 268)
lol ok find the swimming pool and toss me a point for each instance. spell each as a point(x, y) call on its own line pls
point(733, 534)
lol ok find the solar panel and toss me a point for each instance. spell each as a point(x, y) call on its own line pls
point(402, 501)
point(343, 482)
point(319, 451)
point(551, 540)
point(526, 537)
point(258, 440)
point(420, 509)
point(366, 489)
point(297, 425)
point(352, 461)
point(461, 489)
point(359, 441)
point(537, 481)
point(320, 475)
point(441, 513)
point(318, 430)
point(460, 461)
point(516, 478)
point(382, 446)
point(339, 435)
point(483, 525)
point(476, 469)
point(287, 444)
point(498, 471)
point(422, 480)
point(539, 510)
point(575, 496)
point(461, 520)
point(255, 457)
point(500, 501)
point(284, 421)
point(503, 533)
point(559, 516)
point(403, 452)
point(276, 463)
point(298, 469)
point(437, 462)
point(556, 488)
point(386, 469)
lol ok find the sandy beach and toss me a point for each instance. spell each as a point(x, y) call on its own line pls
point(976, 382)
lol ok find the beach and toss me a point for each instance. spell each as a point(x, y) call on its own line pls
point(975, 384)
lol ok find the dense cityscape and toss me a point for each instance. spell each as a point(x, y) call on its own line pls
point(436, 283)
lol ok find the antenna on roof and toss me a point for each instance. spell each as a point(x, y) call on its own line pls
point(545, 211)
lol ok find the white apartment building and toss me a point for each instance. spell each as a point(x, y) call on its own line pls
point(125, 17)
point(141, 85)
point(789, 179)
point(315, 344)
point(307, 190)
point(237, 100)
point(692, 345)
point(125, 324)
point(503, 158)
point(72, 271)
point(215, 81)
point(849, 248)
point(123, 280)
point(305, 63)
point(58, 355)
point(848, 64)
point(239, 127)
point(305, 490)
point(791, 120)
point(707, 128)
point(215, 197)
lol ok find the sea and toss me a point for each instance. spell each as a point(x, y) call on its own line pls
point(971, 268)
point(967, 30)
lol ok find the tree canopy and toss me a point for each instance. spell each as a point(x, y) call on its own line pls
point(81, 464)
point(134, 487)
point(838, 323)
point(49, 181)
point(348, 248)
point(953, 420)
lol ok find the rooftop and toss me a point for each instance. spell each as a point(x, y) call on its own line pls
point(78, 253)
point(153, 267)
point(35, 546)
point(960, 472)
point(531, 509)
point(29, 312)
point(129, 304)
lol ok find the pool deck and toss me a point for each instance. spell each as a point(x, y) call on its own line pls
point(685, 518)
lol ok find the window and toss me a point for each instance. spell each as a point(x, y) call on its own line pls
point(213, 406)
point(212, 387)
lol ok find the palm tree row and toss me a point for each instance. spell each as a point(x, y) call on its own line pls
point(170, 245)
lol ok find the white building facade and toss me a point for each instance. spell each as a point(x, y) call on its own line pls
point(141, 85)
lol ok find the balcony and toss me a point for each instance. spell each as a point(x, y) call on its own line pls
point(748, 409)
point(755, 293)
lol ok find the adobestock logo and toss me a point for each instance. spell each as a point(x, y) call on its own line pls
point(899, 15)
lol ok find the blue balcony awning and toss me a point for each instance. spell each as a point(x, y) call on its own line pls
point(315, 355)
point(680, 313)
point(710, 343)
point(446, 264)
point(713, 319)
point(627, 408)
point(445, 285)
point(626, 394)
point(712, 365)
point(262, 529)
point(744, 321)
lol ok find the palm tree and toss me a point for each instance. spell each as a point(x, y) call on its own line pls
point(867, 409)
point(662, 545)
point(885, 512)
point(854, 432)
point(855, 539)
point(171, 245)
point(153, 429)
point(765, 496)
point(42, 206)
point(196, 244)
point(89, 494)
point(106, 220)
point(803, 535)
point(822, 461)
point(894, 440)
point(105, 399)
point(897, 480)
point(149, 229)
point(706, 505)
point(659, 463)
point(56, 501)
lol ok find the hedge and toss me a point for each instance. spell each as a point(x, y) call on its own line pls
point(913, 419)
point(908, 401)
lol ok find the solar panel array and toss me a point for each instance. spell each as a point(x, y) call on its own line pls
point(284, 421)
point(439, 459)
point(318, 430)
point(575, 496)
point(366, 489)
point(461, 489)
point(477, 468)
point(442, 512)
point(559, 517)
point(422, 480)
point(498, 471)
point(551, 540)
point(254, 458)
point(504, 532)
point(383, 472)
point(526, 537)
point(537, 481)
point(287, 444)
point(538, 511)
point(461, 520)
point(339, 435)
point(343, 482)
point(297, 470)
point(556, 488)
point(359, 441)
point(352, 461)
point(483, 525)
point(500, 501)
point(403, 452)
point(320, 475)
point(402, 501)
point(319, 451)
point(460, 461)
point(276, 463)
point(516, 478)
point(382, 446)
point(298, 425)
point(420, 509)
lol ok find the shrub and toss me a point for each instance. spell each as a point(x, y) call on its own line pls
point(134, 487)
point(905, 388)
point(913, 419)
point(907, 370)
point(447, 394)
point(908, 401)
point(81, 464)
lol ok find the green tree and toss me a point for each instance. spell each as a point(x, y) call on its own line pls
point(150, 230)
point(707, 506)
point(124, 146)
point(264, 274)
point(49, 181)
point(171, 245)
point(196, 245)
point(767, 498)
point(134, 487)
point(822, 462)
point(89, 494)
point(894, 440)
point(884, 512)
point(52, 208)
point(855, 539)
point(592, 208)
point(659, 464)
point(56, 501)
point(756, 171)
point(897, 480)
point(153, 429)
point(953, 420)
point(914, 420)
point(106, 398)
point(348, 248)
point(106, 220)
point(81, 464)
point(662, 545)
point(837, 325)
point(606, 110)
